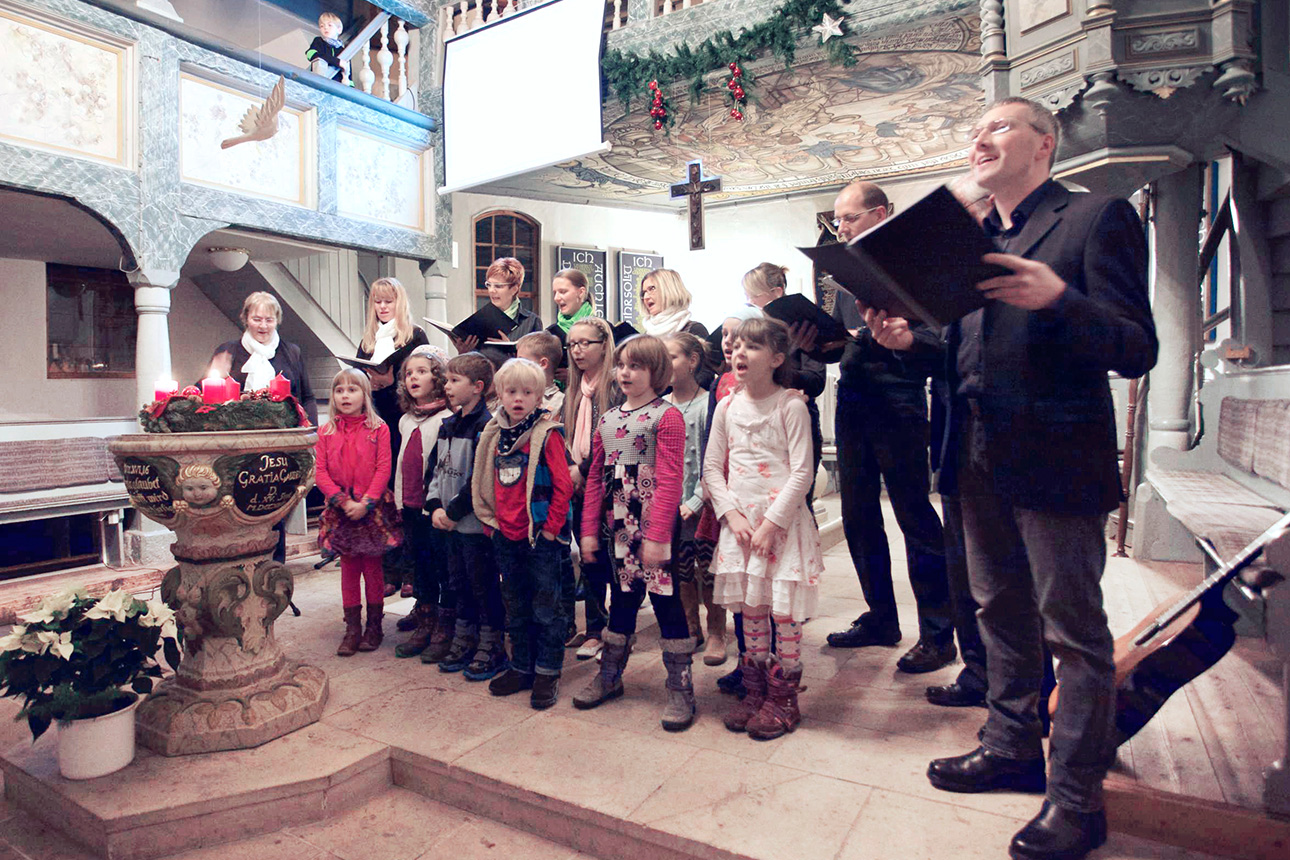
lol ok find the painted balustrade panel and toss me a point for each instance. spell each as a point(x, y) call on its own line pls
point(379, 180)
point(281, 168)
point(67, 90)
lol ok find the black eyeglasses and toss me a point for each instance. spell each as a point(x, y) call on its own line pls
point(583, 344)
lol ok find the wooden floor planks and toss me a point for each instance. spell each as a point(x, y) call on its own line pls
point(1213, 739)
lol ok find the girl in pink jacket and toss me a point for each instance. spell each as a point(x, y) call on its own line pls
point(353, 473)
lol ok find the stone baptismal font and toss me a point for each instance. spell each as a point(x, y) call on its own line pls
point(221, 475)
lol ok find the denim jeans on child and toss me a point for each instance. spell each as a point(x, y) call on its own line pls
point(479, 591)
point(426, 547)
point(531, 592)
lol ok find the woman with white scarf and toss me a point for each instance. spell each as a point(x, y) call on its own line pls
point(389, 338)
point(665, 310)
point(261, 354)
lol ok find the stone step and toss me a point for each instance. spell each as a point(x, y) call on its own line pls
point(159, 806)
point(394, 823)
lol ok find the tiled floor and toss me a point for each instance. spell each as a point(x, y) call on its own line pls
point(849, 784)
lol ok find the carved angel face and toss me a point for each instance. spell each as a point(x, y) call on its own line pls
point(198, 491)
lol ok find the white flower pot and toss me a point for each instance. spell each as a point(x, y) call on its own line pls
point(97, 746)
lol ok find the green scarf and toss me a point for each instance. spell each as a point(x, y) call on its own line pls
point(568, 322)
point(514, 310)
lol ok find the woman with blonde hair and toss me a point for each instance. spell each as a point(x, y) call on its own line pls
point(665, 305)
point(389, 338)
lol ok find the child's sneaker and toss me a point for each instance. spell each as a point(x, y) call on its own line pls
point(464, 643)
point(546, 689)
point(510, 682)
point(489, 659)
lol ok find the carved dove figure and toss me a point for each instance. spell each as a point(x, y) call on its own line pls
point(261, 123)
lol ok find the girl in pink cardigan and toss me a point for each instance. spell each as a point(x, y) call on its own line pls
point(353, 473)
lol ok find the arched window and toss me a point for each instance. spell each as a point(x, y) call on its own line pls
point(503, 233)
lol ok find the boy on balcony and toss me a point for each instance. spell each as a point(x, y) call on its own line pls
point(327, 45)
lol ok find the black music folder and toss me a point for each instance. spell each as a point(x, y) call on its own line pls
point(623, 331)
point(796, 308)
point(364, 363)
point(484, 324)
point(922, 264)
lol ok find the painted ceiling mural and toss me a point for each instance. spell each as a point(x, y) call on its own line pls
point(906, 107)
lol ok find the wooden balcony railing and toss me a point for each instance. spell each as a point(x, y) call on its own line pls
point(392, 87)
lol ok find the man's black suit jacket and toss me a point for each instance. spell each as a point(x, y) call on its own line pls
point(1046, 404)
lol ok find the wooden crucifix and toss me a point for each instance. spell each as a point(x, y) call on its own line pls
point(695, 186)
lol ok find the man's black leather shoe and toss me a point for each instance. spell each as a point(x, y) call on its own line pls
point(982, 770)
point(860, 636)
point(955, 696)
point(927, 657)
point(1059, 834)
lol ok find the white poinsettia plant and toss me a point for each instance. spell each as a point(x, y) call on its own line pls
point(76, 656)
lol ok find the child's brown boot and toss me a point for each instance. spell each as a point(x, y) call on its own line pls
point(754, 679)
point(353, 630)
point(373, 635)
point(779, 714)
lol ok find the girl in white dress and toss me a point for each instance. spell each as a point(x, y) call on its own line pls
point(757, 471)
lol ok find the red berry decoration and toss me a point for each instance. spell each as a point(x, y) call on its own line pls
point(658, 107)
point(735, 87)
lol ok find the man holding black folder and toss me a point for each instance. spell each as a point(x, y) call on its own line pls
point(1032, 456)
point(882, 436)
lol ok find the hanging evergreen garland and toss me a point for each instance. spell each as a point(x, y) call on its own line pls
point(623, 71)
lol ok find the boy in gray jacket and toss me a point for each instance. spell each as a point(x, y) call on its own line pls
point(481, 616)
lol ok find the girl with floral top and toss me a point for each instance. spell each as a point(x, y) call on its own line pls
point(634, 484)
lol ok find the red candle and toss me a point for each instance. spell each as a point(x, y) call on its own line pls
point(279, 387)
point(212, 390)
point(165, 388)
point(232, 389)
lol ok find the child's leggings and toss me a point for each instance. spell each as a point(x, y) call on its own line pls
point(760, 633)
point(367, 568)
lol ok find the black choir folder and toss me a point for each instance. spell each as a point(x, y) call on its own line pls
point(797, 308)
point(922, 264)
point(363, 363)
point(484, 324)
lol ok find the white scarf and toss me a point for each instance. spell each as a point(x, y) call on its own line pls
point(259, 372)
point(664, 325)
point(383, 346)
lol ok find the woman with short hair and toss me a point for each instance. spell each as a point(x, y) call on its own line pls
point(503, 280)
point(260, 354)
